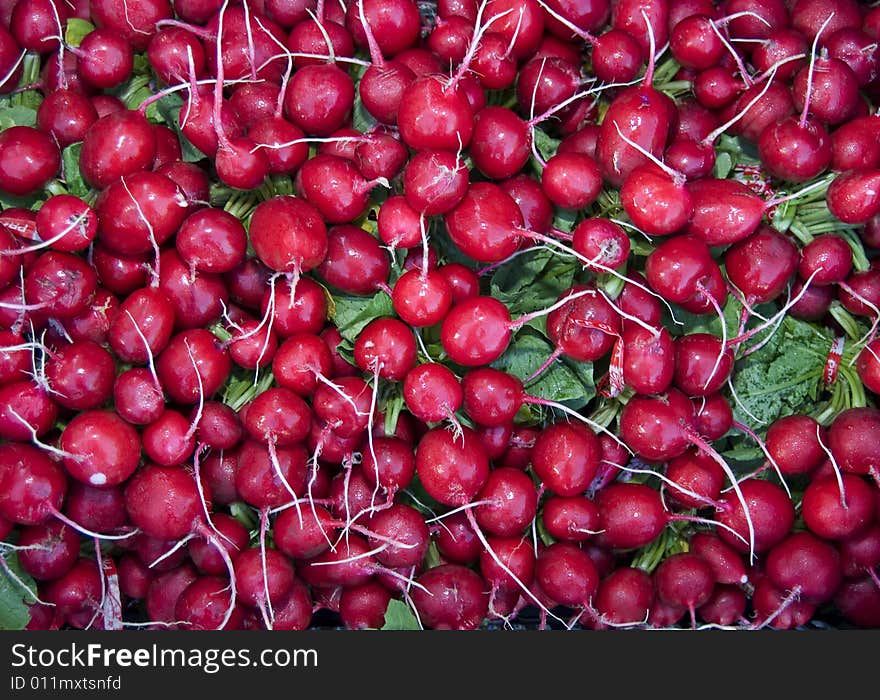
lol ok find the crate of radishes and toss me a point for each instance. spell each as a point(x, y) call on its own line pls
point(457, 314)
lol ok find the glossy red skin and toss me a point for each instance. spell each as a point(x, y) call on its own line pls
point(464, 282)
point(566, 458)
point(656, 428)
point(390, 462)
point(262, 577)
point(347, 416)
point(573, 519)
point(725, 211)
point(119, 144)
point(32, 403)
point(568, 326)
point(827, 259)
point(361, 607)
point(860, 552)
point(67, 115)
point(398, 223)
point(545, 82)
point(643, 116)
point(803, 560)
point(684, 580)
point(450, 38)
point(826, 516)
point(648, 359)
point(854, 195)
point(288, 234)
point(387, 346)
point(432, 117)
point(683, 271)
point(455, 598)
point(149, 311)
point(278, 415)
point(774, 106)
point(656, 204)
point(868, 366)
point(793, 441)
point(434, 182)
point(355, 261)
point(771, 511)
point(306, 538)
point(726, 563)
point(395, 25)
point(178, 373)
point(256, 478)
point(297, 361)
point(567, 574)
point(82, 374)
point(168, 54)
point(571, 180)
point(422, 299)
point(767, 601)
point(64, 282)
point(694, 44)
point(781, 44)
point(696, 356)
point(203, 605)
point(631, 515)
point(491, 397)
point(854, 146)
point(627, 15)
point(211, 240)
point(28, 159)
point(851, 439)
point(859, 602)
point(699, 474)
point(853, 47)
point(108, 448)
point(452, 470)
point(432, 392)
point(381, 89)
point(807, 16)
point(307, 314)
point(502, 143)
point(381, 155)
point(624, 596)
point(312, 105)
point(484, 225)
point(834, 94)
point(793, 152)
point(32, 485)
point(137, 24)
point(761, 265)
point(335, 187)
point(136, 207)
point(476, 331)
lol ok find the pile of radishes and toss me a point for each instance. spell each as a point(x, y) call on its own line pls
point(439, 314)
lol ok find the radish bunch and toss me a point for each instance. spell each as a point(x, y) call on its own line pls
point(440, 315)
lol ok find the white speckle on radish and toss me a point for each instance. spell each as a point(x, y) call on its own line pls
point(98, 479)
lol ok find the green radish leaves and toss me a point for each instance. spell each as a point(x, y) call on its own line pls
point(14, 598)
point(399, 617)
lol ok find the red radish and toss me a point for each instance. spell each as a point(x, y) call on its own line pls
point(574, 519)
point(450, 596)
point(806, 563)
point(29, 158)
point(837, 508)
point(624, 597)
point(452, 470)
point(726, 563)
point(851, 441)
point(795, 442)
point(684, 580)
point(288, 234)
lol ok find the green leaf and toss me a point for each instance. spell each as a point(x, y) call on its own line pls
point(70, 170)
point(14, 614)
point(532, 281)
point(351, 314)
point(77, 29)
point(167, 110)
point(723, 165)
point(16, 115)
point(565, 219)
point(783, 377)
point(565, 381)
point(399, 617)
point(545, 144)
